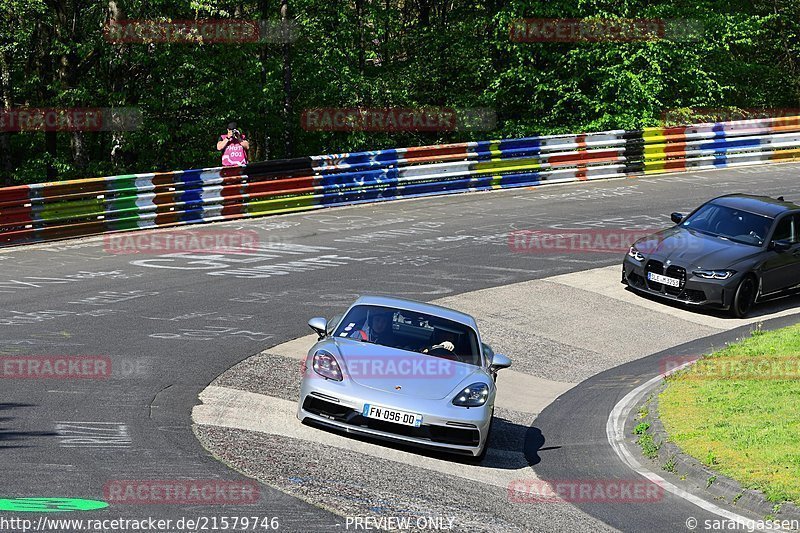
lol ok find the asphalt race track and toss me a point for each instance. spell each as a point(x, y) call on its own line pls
point(586, 408)
point(171, 324)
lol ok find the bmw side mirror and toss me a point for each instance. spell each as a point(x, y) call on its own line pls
point(500, 361)
point(676, 217)
point(319, 325)
point(781, 246)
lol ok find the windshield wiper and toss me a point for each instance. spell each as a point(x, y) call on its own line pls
point(704, 232)
point(717, 235)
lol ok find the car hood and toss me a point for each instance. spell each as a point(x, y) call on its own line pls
point(693, 249)
point(403, 372)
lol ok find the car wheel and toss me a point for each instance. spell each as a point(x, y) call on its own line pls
point(744, 298)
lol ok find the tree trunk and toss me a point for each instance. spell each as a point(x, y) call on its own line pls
point(50, 146)
point(40, 63)
point(118, 73)
point(287, 80)
point(425, 13)
point(68, 75)
point(361, 47)
point(78, 144)
point(6, 102)
point(261, 131)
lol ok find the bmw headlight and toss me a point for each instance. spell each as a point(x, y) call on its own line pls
point(326, 365)
point(714, 274)
point(473, 396)
point(636, 254)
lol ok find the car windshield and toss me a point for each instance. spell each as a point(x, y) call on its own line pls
point(730, 223)
point(411, 331)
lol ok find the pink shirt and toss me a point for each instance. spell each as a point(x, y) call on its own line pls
point(234, 153)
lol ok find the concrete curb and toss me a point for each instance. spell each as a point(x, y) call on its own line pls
point(684, 470)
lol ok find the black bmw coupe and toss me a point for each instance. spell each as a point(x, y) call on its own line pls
point(729, 253)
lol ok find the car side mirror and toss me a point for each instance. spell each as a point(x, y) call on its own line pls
point(500, 361)
point(676, 217)
point(319, 325)
point(781, 246)
point(331, 325)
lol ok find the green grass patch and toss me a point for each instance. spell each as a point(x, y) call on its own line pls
point(738, 412)
point(649, 446)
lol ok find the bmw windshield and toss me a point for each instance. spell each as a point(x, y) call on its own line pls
point(730, 223)
point(411, 331)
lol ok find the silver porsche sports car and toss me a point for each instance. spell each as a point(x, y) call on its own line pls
point(404, 371)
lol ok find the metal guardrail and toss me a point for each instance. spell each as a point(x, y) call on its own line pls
point(58, 210)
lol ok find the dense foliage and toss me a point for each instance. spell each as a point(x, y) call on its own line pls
point(372, 53)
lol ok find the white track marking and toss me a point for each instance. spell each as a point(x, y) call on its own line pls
point(605, 281)
point(577, 310)
point(266, 414)
point(615, 431)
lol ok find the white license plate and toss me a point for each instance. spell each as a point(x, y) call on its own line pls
point(658, 278)
point(388, 414)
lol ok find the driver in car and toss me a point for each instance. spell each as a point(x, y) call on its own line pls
point(377, 329)
point(446, 340)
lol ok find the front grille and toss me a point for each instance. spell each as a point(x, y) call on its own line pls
point(675, 272)
point(327, 409)
point(438, 434)
point(658, 268)
point(441, 434)
point(463, 437)
point(672, 271)
point(636, 280)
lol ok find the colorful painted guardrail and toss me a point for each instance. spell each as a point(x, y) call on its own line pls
point(49, 211)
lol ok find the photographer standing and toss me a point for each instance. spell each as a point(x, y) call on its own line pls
point(233, 146)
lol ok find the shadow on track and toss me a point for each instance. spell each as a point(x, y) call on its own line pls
point(765, 308)
point(9, 434)
point(512, 446)
point(534, 443)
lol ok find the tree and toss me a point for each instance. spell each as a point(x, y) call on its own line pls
point(368, 53)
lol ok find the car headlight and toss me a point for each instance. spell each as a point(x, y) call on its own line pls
point(636, 254)
point(473, 396)
point(714, 274)
point(326, 365)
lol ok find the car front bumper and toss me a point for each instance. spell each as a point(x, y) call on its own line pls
point(338, 405)
point(694, 291)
